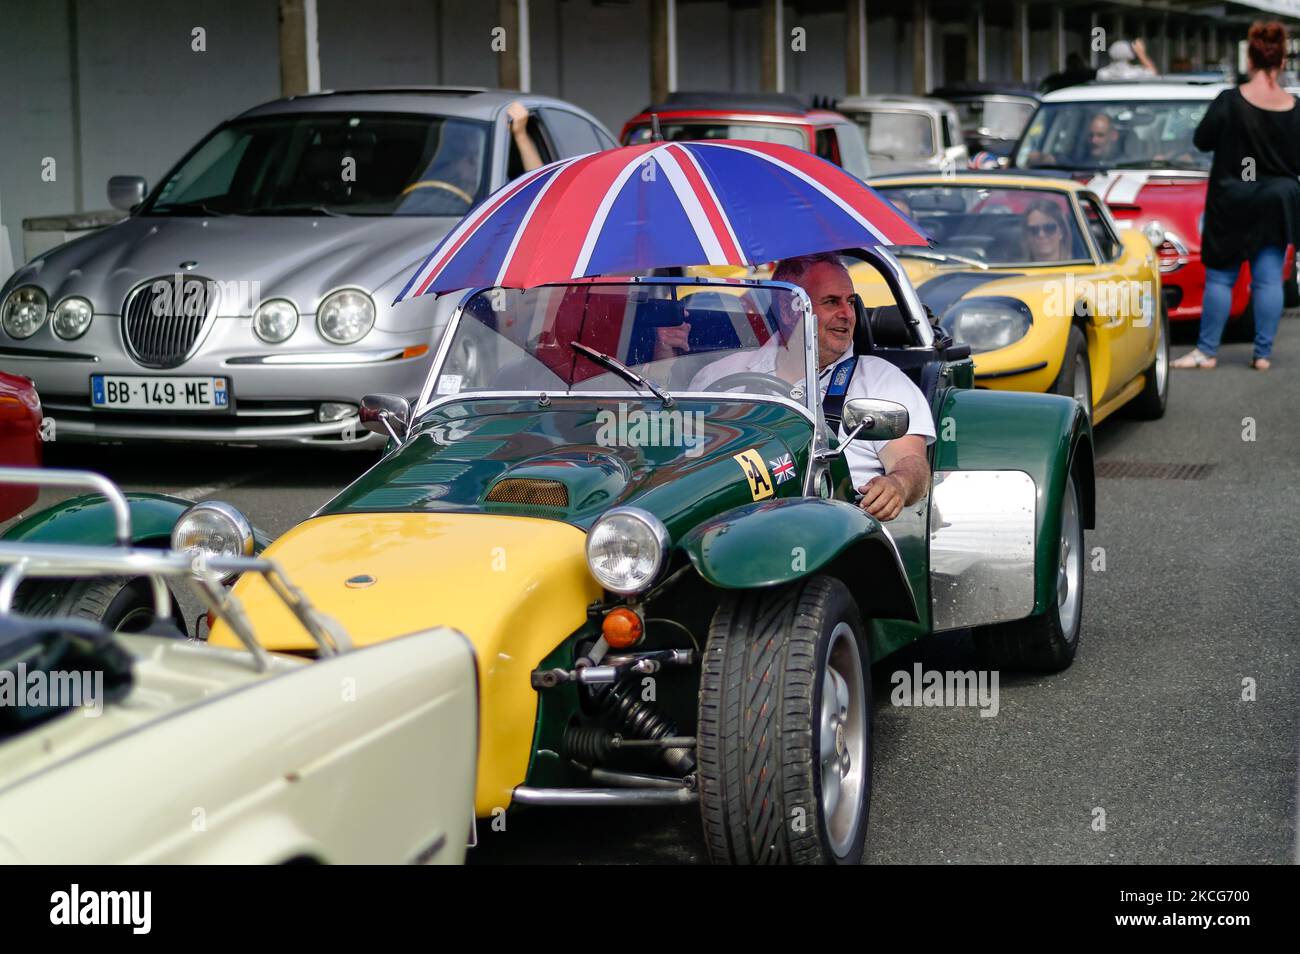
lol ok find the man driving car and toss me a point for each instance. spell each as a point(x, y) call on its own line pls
point(890, 475)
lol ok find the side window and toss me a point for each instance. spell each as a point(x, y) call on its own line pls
point(853, 150)
point(1107, 242)
point(574, 136)
point(826, 145)
point(947, 132)
point(515, 164)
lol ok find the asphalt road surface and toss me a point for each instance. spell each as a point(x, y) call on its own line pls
point(1148, 732)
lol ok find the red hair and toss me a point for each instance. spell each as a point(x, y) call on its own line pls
point(1267, 44)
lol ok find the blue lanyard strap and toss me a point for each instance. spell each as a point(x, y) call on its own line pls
point(841, 376)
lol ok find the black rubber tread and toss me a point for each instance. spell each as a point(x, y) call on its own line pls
point(102, 600)
point(757, 703)
point(1034, 644)
point(1150, 404)
point(1076, 349)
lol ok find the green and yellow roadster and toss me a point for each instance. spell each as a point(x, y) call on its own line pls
point(672, 594)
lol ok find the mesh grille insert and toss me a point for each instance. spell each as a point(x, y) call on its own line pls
point(529, 490)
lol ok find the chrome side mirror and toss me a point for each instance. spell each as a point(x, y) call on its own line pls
point(126, 192)
point(870, 419)
point(386, 414)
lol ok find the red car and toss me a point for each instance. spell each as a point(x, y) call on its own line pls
point(767, 117)
point(20, 439)
point(1132, 144)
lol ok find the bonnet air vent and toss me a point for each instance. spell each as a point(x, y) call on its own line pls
point(529, 490)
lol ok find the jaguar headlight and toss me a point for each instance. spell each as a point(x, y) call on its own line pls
point(214, 529)
point(275, 320)
point(1155, 233)
point(346, 316)
point(71, 318)
point(626, 549)
point(987, 324)
point(24, 311)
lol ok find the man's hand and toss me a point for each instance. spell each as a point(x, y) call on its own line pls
point(517, 113)
point(905, 481)
point(883, 497)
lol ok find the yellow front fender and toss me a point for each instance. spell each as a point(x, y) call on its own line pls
point(515, 586)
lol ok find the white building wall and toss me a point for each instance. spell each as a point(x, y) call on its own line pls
point(705, 55)
point(819, 70)
point(35, 116)
point(147, 96)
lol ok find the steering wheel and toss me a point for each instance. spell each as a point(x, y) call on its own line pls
point(455, 190)
point(753, 380)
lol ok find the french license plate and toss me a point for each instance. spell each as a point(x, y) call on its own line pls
point(128, 392)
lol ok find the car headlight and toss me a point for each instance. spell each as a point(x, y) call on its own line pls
point(987, 324)
point(626, 549)
point(214, 529)
point(24, 311)
point(346, 316)
point(275, 320)
point(71, 318)
point(1155, 233)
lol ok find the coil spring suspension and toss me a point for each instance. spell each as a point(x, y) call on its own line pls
point(636, 720)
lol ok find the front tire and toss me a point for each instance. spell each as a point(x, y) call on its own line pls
point(120, 604)
point(1049, 641)
point(1075, 377)
point(785, 727)
point(1150, 404)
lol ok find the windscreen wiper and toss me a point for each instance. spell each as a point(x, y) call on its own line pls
point(623, 371)
point(301, 210)
point(1063, 167)
point(941, 257)
point(182, 207)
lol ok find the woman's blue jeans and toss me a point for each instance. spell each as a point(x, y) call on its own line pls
point(1265, 296)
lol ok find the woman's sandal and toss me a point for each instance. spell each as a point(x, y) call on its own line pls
point(1261, 364)
point(1196, 359)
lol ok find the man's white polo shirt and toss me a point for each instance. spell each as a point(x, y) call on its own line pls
point(874, 377)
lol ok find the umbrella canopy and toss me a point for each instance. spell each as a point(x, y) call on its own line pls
point(659, 205)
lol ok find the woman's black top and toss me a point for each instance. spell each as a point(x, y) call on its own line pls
point(1251, 204)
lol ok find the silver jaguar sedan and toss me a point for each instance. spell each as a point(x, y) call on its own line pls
point(248, 297)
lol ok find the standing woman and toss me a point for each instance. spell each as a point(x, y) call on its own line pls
point(1252, 208)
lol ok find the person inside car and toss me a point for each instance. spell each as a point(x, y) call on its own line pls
point(450, 184)
point(890, 475)
point(1100, 147)
point(1046, 233)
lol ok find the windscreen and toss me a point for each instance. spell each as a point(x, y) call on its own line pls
point(588, 337)
point(897, 135)
point(1114, 135)
point(785, 135)
point(991, 226)
point(332, 164)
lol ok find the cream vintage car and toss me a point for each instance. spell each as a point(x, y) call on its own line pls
point(181, 752)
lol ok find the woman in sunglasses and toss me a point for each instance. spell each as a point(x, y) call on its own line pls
point(1045, 232)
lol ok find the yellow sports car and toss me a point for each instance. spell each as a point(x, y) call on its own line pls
point(1036, 278)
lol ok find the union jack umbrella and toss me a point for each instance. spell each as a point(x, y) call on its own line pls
point(659, 205)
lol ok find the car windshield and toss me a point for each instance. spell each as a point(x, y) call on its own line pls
point(603, 336)
point(893, 134)
point(991, 226)
point(686, 131)
point(332, 164)
point(999, 119)
point(1114, 135)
